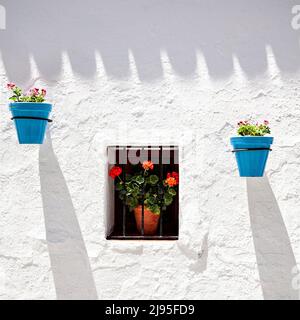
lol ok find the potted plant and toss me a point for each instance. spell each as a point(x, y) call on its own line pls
point(252, 148)
point(30, 114)
point(144, 188)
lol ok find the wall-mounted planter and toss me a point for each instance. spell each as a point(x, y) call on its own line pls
point(251, 154)
point(31, 121)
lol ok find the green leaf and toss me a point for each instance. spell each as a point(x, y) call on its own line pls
point(150, 200)
point(153, 179)
point(155, 209)
point(140, 179)
point(168, 199)
point(119, 186)
point(168, 196)
point(134, 203)
point(172, 192)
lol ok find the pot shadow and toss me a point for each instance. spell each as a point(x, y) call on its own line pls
point(201, 265)
point(70, 265)
point(198, 259)
point(274, 253)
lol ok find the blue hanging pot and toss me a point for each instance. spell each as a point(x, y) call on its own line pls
point(31, 119)
point(251, 154)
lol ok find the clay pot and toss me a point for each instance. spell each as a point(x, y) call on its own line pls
point(150, 220)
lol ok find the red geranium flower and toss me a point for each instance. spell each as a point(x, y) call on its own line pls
point(148, 165)
point(174, 175)
point(44, 92)
point(172, 179)
point(115, 172)
point(171, 182)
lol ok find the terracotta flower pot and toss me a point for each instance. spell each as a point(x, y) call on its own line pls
point(150, 220)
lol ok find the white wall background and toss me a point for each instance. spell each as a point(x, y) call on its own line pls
point(150, 71)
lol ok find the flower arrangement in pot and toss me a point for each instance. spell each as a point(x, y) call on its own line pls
point(30, 114)
point(144, 188)
point(252, 148)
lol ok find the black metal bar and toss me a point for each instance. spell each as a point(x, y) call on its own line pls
point(250, 149)
point(139, 147)
point(124, 206)
point(143, 215)
point(31, 118)
point(161, 179)
point(163, 238)
point(143, 208)
point(175, 165)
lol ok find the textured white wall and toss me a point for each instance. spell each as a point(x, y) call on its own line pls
point(145, 71)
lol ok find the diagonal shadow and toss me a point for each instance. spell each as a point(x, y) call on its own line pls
point(68, 256)
point(274, 253)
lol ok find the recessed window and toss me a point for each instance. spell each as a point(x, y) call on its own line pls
point(143, 193)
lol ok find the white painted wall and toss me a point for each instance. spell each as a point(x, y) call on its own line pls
point(145, 71)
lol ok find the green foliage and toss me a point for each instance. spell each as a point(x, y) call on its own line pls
point(172, 191)
point(153, 179)
point(168, 199)
point(156, 194)
point(35, 95)
point(140, 179)
point(248, 129)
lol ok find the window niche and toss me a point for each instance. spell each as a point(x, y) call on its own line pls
point(142, 200)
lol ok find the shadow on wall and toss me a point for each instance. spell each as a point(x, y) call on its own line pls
point(218, 29)
point(201, 265)
point(274, 254)
point(69, 260)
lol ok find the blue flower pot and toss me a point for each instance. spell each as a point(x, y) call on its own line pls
point(251, 163)
point(30, 120)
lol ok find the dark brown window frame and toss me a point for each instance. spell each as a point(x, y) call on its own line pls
point(120, 222)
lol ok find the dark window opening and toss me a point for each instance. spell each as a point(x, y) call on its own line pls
point(143, 203)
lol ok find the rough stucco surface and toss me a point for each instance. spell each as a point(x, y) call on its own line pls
point(141, 72)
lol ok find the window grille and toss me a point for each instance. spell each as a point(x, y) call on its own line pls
point(122, 224)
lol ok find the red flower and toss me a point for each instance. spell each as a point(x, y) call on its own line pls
point(34, 91)
point(266, 123)
point(115, 172)
point(44, 92)
point(172, 179)
point(148, 165)
point(171, 182)
point(11, 86)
